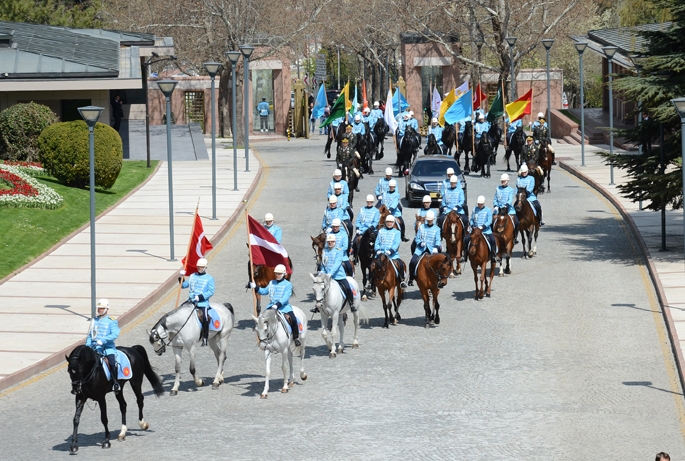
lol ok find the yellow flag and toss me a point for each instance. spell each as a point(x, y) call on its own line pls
point(346, 91)
point(449, 100)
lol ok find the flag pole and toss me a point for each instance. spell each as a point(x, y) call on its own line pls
point(249, 248)
point(185, 266)
point(506, 126)
point(473, 132)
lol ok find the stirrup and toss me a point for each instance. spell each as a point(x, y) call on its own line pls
point(297, 342)
point(116, 387)
point(204, 342)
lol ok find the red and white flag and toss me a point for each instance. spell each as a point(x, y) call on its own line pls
point(198, 248)
point(266, 251)
point(478, 97)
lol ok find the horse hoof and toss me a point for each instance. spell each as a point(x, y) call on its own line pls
point(365, 298)
point(328, 155)
point(303, 376)
point(355, 346)
point(395, 322)
point(332, 355)
point(427, 325)
point(263, 396)
point(106, 444)
point(200, 383)
point(121, 438)
point(173, 392)
point(507, 271)
point(385, 325)
point(73, 450)
point(437, 320)
point(144, 425)
point(397, 317)
point(530, 254)
point(284, 390)
point(291, 384)
point(215, 386)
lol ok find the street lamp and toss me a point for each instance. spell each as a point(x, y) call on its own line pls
point(247, 52)
point(234, 56)
point(580, 47)
point(91, 114)
point(512, 41)
point(212, 68)
point(167, 87)
point(679, 104)
point(610, 51)
point(145, 66)
point(547, 43)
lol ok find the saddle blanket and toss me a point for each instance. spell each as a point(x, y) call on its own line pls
point(416, 268)
point(215, 323)
point(487, 241)
point(351, 281)
point(286, 324)
point(532, 205)
point(124, 370)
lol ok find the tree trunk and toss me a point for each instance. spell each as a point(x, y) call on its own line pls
point(225, 100)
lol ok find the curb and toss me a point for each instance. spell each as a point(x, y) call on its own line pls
point(58, 357)
point(653, 274)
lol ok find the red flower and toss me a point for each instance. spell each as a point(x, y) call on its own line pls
point(19, 186)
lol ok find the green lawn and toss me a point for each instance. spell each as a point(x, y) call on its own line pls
point(26, 233)
point(568, 113)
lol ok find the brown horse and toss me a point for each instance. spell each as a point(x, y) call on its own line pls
point(545, 162)
point(536, 172)
point(453, 233)
point(386, 281)
point(431, 275)
point(384, 214)
point(529, 223)
point(479, 255)
point(419, 220)
point(262, 275)
point(503, 226)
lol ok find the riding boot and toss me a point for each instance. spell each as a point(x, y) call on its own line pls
point(292, 320)
point(113, 373)
point(402, 227)
point(465, 252)
point(205, 327)
point(412, 269)
point(403, 274)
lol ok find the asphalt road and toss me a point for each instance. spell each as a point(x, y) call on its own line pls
point(567, 360)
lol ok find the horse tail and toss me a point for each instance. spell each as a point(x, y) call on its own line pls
point(363, 314)
point(229, 306)
point(150, 374)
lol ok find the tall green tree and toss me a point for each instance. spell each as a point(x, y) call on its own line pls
point(69, 13)
point(662, 78)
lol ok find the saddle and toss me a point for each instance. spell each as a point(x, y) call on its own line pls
point(215, 323)
point(283, 318)
point(124, 370)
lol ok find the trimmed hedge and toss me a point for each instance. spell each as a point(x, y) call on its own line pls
point(64, 152)
point(20, 126)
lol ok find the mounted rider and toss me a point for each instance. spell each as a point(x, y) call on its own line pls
point(337, 178)
point(351, 138)
point(425, 207)
point(481, 218)
point(541, 133)
point(401, 128)
point(415, 125)
point(201, 286)
point(280, 290)
point(527, 182)
point(453, 200)
point(332, 264)
point(530, 150)
point(505, 197)
point(445, 184)
point(427, 240)
point(391, 200)
point(367, 118)
point(376, 112)
point(512, 127)
point(272, 228)
point(332, 211)
point(436, 130)
point(358, 127)
point(383, 185)
point(101, 335)
point(348, 214)
point(344, 156)
point(368, 217)
point(481, 126)
point(342, 241)
point(388, 242)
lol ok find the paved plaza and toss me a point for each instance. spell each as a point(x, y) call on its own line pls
point(568, 360)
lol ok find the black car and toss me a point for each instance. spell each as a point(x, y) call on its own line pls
point(425, 177)
point(332, 96)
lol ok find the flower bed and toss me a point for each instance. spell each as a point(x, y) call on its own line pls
point(34, 169)
point(25, 191)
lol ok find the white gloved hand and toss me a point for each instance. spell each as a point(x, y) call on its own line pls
point(328, 230)
point(379, 252)
point(98, 342)
point(196, 298)
point(253, 285)
point(434, 250)
point(387, 252)
point(378, 197)
point(182, 272)
point(422, 245)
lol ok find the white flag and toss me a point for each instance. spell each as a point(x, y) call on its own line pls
point(435, 103)
point(388, 115)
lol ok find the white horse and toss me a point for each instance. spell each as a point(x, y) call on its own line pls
point(329, 300)
point(180, 329)
point(273, 339)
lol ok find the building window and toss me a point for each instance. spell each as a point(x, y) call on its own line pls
point(195, 107)
point(262, 87)
point(431, 76)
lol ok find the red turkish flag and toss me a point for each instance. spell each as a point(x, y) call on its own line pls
point(198, 248)
point(266, 251)
point(478, 97)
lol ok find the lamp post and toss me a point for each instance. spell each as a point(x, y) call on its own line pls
point(338, 46)
point(167, 87)
point(547, 43)
point(610, 51)
point(212, 68)
point(234, 56)
point(679, 104)
point(145, 66)
point(512, 41)
point(91, 114)
point(247, 52)
point(580, 47)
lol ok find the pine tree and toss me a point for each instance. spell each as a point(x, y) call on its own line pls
point(661, 79)
point(69, 13)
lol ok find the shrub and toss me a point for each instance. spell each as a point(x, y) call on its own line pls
point(20, 126)
point(64, 153)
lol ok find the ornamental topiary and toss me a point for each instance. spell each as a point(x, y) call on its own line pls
point(64, 151)
point(20, 126)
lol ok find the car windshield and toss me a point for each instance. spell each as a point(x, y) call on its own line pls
point(431, 168)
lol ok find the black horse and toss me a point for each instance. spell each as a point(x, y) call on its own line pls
point(516, 143)
point(366, 146)
point(484, 154)
point(332, 134)
point(495, 134)
point(465, 145)
point(409, 147)
point(449, 137)
point(366, 254)
point(380, 129)
point(88, 381)
point(432, 146)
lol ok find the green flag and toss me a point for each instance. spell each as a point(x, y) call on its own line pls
point(339, 107)
point(497, 108)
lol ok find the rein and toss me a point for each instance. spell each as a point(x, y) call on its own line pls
point(168, 343)
point(90, 376)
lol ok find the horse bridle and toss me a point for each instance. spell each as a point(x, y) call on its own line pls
point(324, 291)
point(162, 349)
point(268, 341)
point(437, 274)
point(80, 382)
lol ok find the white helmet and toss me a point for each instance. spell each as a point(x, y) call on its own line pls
point(426, 199)
point(504, 177)
point(335, 222)
point(390, 218)
point(430, 215)
point(370, 198)
point(388, 171)
point(337, 172)
point(330, 238)
point(434, 120)
point(103, 303)
point(450, 171)
point(357, 118)
point(280, 269)
point(454, 179)
point(481, 117)
point(405, 117)
point(366, 110)
point(268, 217)
point(411, 113)
point(202, 262)
point(481, 199)
point(376, 104)
point(540, 115)
point(337, 185)
point(524, 168)
point(392, 183)
point(332, 199)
